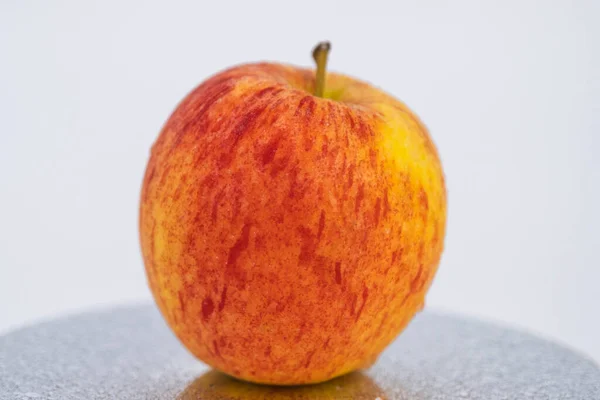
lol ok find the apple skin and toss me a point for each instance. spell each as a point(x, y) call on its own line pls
point(288, 239)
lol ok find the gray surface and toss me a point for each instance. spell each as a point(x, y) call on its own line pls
point(129, 353)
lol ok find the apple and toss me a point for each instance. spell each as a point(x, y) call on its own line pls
point(291, 222)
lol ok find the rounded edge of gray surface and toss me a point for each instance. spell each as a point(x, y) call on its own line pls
point(129, 353)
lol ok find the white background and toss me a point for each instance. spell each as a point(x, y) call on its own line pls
point(510, 91)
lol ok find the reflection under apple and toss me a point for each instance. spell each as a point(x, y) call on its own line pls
point(215, 385)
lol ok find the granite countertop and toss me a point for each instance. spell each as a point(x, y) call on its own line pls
point(129, 353)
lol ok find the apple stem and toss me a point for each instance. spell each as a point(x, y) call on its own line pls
point(320, 56)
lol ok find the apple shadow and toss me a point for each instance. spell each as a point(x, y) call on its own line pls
point(216, 385)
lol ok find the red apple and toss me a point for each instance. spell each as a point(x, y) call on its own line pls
point(289, 237)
